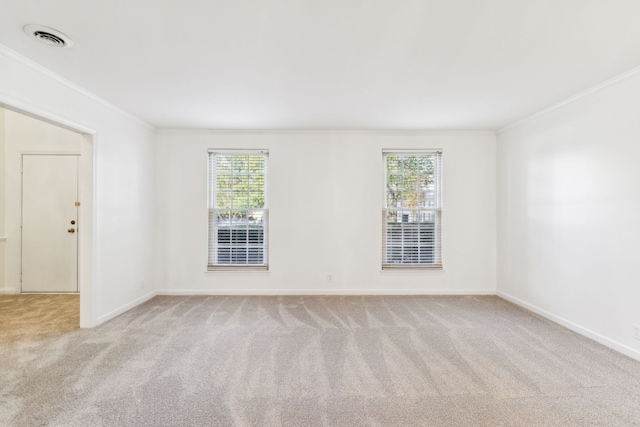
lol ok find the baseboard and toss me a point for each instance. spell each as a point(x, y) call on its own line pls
point(271, 292)
point(614, 345)
point(106, 317)
point(8, 291)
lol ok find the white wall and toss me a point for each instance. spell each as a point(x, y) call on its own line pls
point(24, 134)
point(2, 203)
point(120, 200)
point(325, 199)
point(568, 203)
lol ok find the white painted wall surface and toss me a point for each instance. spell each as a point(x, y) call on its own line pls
point(123, 184)
point(2, 203)
point(24, 134)
point(568, 202)
point(325, 200)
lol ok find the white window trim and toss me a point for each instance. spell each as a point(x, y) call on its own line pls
point(211, 197)
point(438, 209)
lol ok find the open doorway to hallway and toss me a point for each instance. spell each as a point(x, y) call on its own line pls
point(41, 173)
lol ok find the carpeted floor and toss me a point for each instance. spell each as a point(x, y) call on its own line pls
point(307, 361)
point(31, 318)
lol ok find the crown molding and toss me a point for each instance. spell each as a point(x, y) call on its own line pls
point(620, 77)
point(188, 131)
point(13, 55)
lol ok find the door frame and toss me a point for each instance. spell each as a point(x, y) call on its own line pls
point(78, 154)
point(86, 196)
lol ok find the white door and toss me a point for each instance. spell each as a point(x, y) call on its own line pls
point(49, 223)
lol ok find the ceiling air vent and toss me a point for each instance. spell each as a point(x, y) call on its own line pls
point(48, 36)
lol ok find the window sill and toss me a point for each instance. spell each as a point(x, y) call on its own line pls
point(218, 268)
point(411, 267)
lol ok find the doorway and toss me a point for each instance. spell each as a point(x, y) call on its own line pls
point(29, 133)
point(49, 223)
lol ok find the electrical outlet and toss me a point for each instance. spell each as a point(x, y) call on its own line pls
point(636, 331)
point(141, 284)
point(329, 278)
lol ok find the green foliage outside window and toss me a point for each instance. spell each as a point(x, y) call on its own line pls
point(240, 182)
point(410, 181)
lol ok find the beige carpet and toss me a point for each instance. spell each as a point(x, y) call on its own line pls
point(26, 318)
point(317, 361)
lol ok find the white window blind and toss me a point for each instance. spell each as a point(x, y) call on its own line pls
point(412, 210)
point(237, 210)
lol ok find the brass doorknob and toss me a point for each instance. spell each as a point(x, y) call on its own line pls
point(71, 230)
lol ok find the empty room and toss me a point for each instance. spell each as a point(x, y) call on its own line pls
point(319, 213)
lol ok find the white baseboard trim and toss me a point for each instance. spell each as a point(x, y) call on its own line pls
point(106, 317)
point(275, 292)
point(614, 345)
point(8, 291)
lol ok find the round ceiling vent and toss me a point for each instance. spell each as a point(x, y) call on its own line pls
point(48, 36)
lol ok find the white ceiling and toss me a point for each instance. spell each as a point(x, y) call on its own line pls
point(331, 64)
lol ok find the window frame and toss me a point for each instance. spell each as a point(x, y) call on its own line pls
point(212, 193)
point(437, 263)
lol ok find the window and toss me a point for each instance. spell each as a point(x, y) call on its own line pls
point(412, 212)
point(237, 210)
